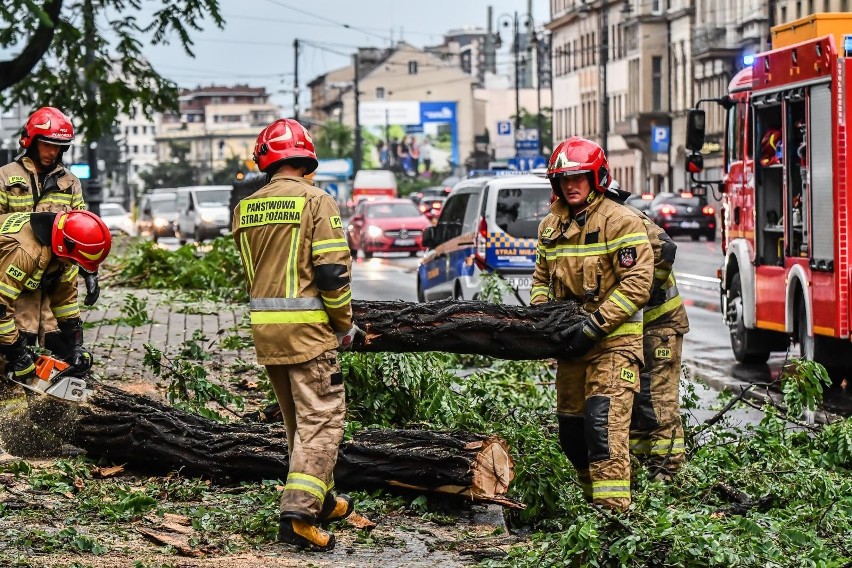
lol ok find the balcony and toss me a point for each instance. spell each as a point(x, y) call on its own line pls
point(712, 43)
point(636, 128)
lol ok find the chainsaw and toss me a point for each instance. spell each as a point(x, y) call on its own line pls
point(55, 378)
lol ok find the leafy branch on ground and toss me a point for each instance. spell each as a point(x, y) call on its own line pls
point(188, 386)
point(217, 274)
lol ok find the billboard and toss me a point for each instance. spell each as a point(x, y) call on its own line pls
point(416, 122)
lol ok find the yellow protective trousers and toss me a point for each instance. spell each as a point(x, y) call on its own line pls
point(313, 404)
point(656, 430)
point(594, 398)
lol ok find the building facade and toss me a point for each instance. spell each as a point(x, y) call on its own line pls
point(215, 124)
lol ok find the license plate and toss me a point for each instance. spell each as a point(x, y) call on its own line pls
point(404, 242)
point(689, 225)
point(520, 282)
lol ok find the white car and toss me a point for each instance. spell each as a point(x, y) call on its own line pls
point(117, 219)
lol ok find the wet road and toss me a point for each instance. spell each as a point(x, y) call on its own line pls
point(707, 347)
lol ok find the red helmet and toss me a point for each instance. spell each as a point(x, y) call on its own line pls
point(579, 156)
point(284, 139)
point(82, 237)
point(769, 147)
point(48, 124)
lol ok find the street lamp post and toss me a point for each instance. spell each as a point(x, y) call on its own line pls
point(505, 21)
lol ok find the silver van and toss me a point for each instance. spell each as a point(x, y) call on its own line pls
point(203, 212)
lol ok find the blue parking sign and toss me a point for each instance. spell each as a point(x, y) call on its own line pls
point(660, 139)
point(504, 128)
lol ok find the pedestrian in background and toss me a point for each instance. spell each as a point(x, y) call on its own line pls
point(37, 180)
point(297, 263)
point(596, 252)
point(426, 156)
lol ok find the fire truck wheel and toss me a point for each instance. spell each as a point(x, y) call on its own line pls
point(747, 344)
point(807, 344)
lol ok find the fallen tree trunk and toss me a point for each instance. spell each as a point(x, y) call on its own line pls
point(477, 328)
point(157, 438)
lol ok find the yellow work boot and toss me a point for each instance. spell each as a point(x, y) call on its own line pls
point(304, 535)
point(336, 507)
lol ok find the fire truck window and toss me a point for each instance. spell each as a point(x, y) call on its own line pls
point(734, 133)
point(769, 184)
point(797, 189)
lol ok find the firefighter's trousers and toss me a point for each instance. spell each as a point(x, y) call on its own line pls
point(656, 430)
point(313, 404)
point(33, 314)
point(594, 397)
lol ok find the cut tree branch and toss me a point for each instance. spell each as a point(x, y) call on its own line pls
point(13, 71)
point(472, 327)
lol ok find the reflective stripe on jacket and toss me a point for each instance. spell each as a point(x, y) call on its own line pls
point(297, 264)
point(606, 265)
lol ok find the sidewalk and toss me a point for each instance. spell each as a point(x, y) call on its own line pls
point(119, 349)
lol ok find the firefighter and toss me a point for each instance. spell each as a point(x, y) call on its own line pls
point(38, 181)
point(297, 264)
point(596, 252)
point(35, 248)
point(656, 430)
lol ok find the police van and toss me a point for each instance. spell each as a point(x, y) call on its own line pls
point(487, 224)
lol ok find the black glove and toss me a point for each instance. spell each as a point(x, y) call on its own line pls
point(93, 288)
point(81, 359)
point(658, 296)
point(581, 337)
point(19, 359)
point(347, 339)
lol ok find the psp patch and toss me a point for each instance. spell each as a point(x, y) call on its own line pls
point(663, 353)
point(628, 375)
point(627, 257)
point(336, 223)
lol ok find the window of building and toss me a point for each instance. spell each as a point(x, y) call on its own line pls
point(135, 130)
point(656, 6)
point(466, 61)
point(380, 92)
point(657, 82)
point(412, 68)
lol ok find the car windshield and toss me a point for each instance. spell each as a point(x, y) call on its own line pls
point(111, 209)
point(521, 209)
point(213, 197)
point(164, 205)
point(389, 210)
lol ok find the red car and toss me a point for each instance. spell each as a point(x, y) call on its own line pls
point(392, 225)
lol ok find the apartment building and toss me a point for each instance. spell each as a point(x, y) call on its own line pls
point(216, 123)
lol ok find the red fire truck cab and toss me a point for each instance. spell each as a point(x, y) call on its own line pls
point(786, 190)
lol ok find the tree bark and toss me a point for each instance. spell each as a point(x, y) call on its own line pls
point(472, 327)
point(14, 70)
point(154, 437)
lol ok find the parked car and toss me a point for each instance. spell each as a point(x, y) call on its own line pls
point(488, 224)
point(392, 225)
point(431, 191)
point(117, 219)
point(203, 212)
point(157, 215)
point(431, 207)
point(684, 214)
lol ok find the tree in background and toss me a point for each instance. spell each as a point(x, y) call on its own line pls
point(177, 173)
point(56, 62)
point(333, 139)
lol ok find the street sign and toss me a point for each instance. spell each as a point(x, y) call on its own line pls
point(527, 164)
point(660, 139)
point(504, 128)
point(331, 189)
point(528, 134)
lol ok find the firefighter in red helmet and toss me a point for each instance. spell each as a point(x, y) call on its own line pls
point(37, 180)
point(35, 249)
point(596, 252)
point(298, 267)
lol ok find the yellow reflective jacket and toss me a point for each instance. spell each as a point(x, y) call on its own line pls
point(298, 268)
point(606, 264)
point(664, 310)
point(19, 182)
point(24, 263)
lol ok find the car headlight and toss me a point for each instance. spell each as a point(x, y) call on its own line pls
point(161, 223)
point(374, 232)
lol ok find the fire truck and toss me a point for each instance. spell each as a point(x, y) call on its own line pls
point(787, 216)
